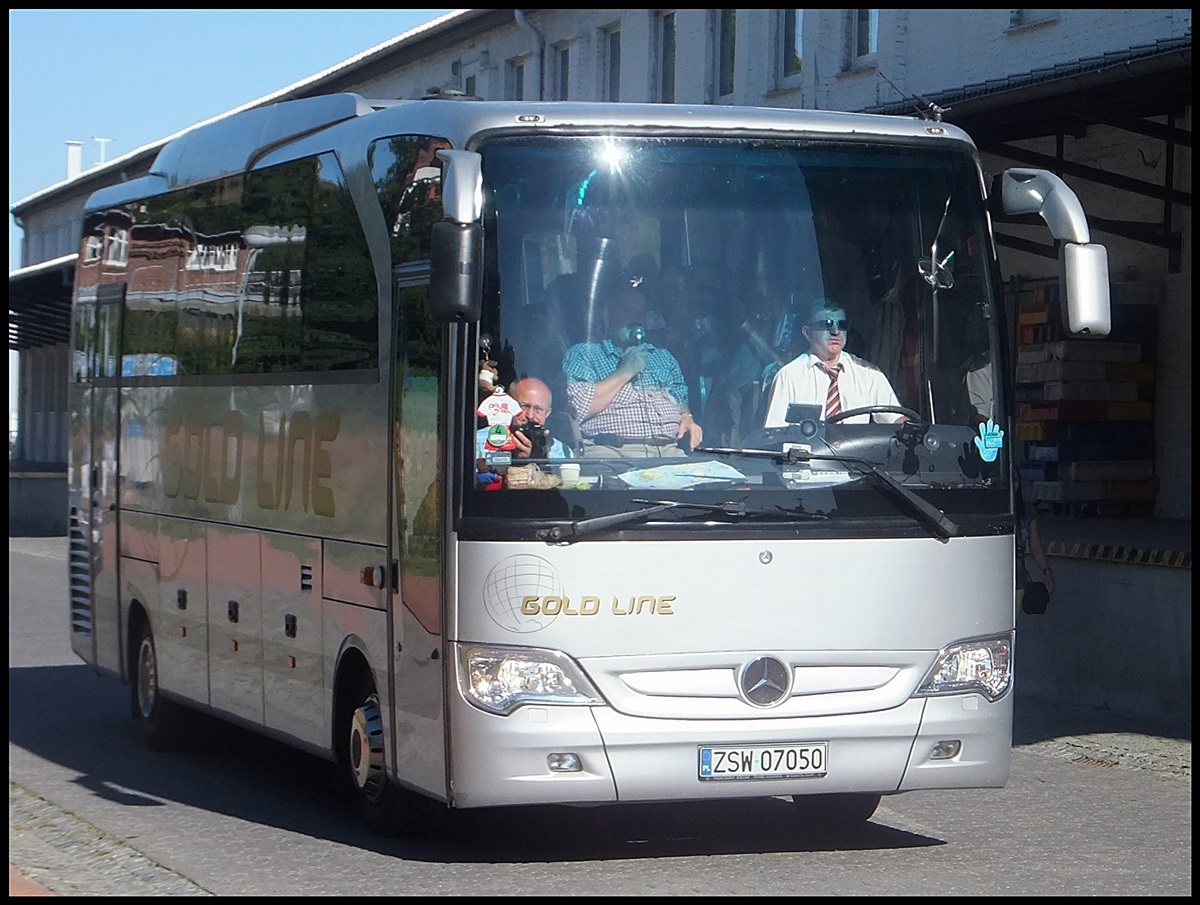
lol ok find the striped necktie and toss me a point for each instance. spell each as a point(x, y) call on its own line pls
point(833, 399)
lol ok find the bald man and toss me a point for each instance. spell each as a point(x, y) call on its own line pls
point(534, 398)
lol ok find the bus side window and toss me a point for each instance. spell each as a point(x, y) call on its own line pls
point(408, 179)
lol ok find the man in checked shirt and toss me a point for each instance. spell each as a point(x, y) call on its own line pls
point(628, 395)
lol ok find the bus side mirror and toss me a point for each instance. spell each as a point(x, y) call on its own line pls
point(456, 249)
point(1085, 282)
point(456, 272)
point(1084, 264)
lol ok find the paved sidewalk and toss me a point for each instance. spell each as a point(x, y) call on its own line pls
point(52, 849)
point(1103, 738)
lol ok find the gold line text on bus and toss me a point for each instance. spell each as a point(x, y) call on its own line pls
point(206, 458)
point(589, 605)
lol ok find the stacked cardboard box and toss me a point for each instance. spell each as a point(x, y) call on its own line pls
point(1085, 408)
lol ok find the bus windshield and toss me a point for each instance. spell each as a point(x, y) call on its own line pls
point(777, 327)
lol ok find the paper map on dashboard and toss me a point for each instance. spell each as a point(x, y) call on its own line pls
point(677, 477)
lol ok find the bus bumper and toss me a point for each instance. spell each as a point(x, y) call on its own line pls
point(638, 759)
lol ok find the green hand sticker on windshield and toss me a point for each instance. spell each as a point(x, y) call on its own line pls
point(990, 440)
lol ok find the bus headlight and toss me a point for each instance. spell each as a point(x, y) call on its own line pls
point(983, 665)
point(501, 679)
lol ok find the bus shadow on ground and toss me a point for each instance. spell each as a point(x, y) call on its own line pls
point(224, 769)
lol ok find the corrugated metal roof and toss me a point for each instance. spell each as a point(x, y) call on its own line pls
point(1114, 64)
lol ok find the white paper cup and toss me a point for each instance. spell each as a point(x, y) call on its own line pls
point(569, 472)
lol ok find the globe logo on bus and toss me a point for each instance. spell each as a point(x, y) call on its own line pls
point(513, 579)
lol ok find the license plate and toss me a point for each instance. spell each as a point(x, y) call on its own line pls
point(764, 761)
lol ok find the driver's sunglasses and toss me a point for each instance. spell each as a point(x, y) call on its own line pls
point(829, 325)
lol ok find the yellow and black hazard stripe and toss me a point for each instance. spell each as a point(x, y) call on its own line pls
point(1138, 556)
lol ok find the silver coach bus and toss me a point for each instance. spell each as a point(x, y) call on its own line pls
point(283, 512)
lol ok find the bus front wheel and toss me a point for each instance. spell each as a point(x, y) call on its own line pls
point(387, 808)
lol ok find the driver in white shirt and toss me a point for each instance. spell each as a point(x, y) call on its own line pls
point(829, 376)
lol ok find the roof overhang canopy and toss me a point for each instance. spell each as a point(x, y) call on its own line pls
point(39, 303)
point(1145, 91)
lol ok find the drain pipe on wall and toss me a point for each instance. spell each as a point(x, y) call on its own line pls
point(539, 51)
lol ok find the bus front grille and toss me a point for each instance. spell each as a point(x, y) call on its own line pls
point(79, 576)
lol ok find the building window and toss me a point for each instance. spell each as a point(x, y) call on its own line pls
point(117, 248)
point(665, 23)
point(471, 75)
point(562, 66)
point(91, 249)
point(793, 52)
point(726, 40)
point(612, 65)
point(514, 80)
point(866, 34)
point(212, 258)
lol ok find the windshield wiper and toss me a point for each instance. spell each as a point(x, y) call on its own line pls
point(581, 527)
point(941, 526)
point(738, 508)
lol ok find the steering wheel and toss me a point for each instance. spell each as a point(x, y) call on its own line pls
point(874, 410)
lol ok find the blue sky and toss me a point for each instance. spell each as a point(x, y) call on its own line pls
point(154, 75)
point(135, 76)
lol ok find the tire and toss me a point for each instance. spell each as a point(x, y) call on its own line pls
point(160, 718)
point(835, 813)
point(387, 808)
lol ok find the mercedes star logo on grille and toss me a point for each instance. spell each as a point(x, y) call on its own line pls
point(765, 682)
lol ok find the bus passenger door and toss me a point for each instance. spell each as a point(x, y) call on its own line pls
point(418, 498)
